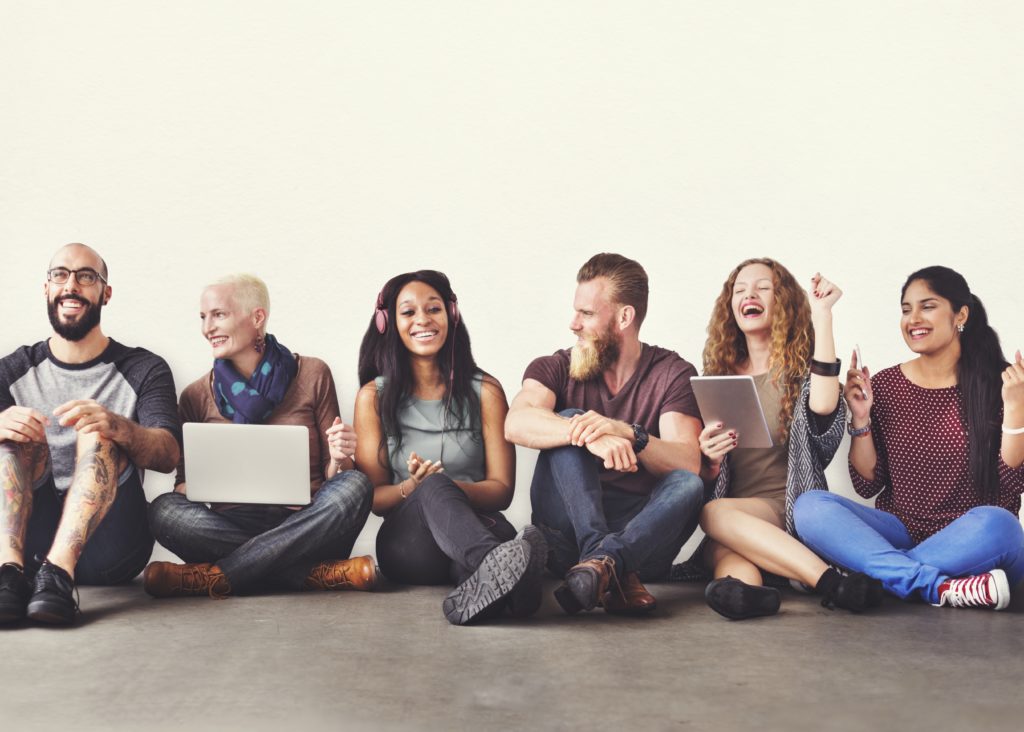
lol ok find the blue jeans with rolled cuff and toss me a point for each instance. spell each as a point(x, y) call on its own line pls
point(865, 539)
point(260, 547)
point(580, 519)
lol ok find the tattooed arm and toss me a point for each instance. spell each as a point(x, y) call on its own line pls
point(148, 447)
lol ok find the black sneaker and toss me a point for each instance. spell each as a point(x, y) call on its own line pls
point(486, 589)
point(737, 600)
point(855, 592)
point(53, 593)
point(14, 593)
point(526, 597)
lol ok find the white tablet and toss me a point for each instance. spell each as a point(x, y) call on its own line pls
point(732, 400)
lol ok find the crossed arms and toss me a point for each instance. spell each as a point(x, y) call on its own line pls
point(533, 423)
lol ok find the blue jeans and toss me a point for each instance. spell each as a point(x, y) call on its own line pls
point(116, 552)
point(580, 519)
point(877, 543)
point(262, 547)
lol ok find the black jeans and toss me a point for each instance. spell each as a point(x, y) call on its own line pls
point(435, 536)
point(116, 552)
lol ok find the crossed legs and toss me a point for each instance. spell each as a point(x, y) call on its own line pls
point(263, 547)
point(746, 535)
point(877, 543)
point(582, 521)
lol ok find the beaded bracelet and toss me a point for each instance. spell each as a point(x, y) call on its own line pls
point(858, 431)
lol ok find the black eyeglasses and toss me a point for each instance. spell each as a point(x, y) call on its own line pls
point(85, 276)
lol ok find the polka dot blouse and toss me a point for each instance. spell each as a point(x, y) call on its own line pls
point(923, 473)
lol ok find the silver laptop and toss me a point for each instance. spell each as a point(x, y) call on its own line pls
point(733, 401)
point(247, 463)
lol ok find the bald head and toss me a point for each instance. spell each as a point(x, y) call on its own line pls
point(80, 252)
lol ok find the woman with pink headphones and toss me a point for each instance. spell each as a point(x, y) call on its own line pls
point(430, 429)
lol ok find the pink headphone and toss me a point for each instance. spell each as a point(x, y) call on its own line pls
point(380, 316)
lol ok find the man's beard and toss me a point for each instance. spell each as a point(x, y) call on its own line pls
point(79, 328)
point(587, 362)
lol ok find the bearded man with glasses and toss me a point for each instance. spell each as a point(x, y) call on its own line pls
point(81, 417)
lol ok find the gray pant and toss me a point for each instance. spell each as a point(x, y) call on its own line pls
point(436, 537)
point(266, 547)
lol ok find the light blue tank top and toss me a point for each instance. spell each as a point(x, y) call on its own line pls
point(460, 450)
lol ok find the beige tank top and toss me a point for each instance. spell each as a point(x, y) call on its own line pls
point(760, 472)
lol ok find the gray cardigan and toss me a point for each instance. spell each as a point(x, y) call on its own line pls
point(813, 442)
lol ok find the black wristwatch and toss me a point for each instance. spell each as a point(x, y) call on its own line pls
point(640, 438)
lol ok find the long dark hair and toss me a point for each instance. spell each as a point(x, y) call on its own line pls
point(978, 374)
point(384, 354)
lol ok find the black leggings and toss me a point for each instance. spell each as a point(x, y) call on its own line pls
point(435, 537)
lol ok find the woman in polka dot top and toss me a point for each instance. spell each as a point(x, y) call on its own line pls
point(939, 441)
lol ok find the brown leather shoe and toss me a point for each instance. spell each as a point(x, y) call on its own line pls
point(630, 598)
point(585, 584)
point(358, 573)
point(169, 579)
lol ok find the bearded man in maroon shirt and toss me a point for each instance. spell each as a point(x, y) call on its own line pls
point(616, 489)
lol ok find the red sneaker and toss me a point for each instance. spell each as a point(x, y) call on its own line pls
point(990, 589)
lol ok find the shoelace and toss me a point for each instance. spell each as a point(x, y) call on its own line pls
point(327, 574)
point(968, 592)
point(60, 581)
point(9, 577)
point(195, 579)
point(610, 563)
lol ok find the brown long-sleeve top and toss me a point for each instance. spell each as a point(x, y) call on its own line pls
point(311, 401)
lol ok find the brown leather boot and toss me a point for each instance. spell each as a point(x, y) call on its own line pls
point(630, 598)
point(169, 579)
point(358, 573)
point(585, 584)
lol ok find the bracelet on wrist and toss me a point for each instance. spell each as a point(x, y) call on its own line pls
point(401, 490)
point(858, 431)
point(825, 368)
point(1013, 430)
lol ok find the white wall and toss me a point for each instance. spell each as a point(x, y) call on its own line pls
point(328, 145)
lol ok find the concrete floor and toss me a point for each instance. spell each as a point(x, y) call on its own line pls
point(389, 660)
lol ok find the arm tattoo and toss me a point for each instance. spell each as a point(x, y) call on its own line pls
point(35, 457)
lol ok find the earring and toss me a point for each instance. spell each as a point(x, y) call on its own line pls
point(260, 345)
point(960, 327)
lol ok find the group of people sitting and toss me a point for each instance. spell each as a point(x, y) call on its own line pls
point(626, 469)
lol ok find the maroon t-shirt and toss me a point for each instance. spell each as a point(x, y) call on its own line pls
point(923, 472)
point(660, 384)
